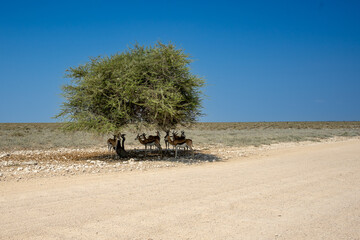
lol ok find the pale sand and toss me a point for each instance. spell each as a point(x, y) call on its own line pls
point(304, 191)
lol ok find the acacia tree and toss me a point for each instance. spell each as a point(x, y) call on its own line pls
point(143, 85)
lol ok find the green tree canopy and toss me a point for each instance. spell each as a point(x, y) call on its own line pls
point(143, 85)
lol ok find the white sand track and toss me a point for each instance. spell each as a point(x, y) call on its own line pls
point(301, 192)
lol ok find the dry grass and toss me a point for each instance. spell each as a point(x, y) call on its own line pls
point(257, 137)
point(275, 125)
point(19, 136)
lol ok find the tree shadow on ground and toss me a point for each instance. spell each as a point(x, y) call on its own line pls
point(154, 155)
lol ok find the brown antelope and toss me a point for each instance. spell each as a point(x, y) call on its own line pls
point(181, 144)
point(157, 136)
point(111, 143)
point(182, 137)
point(148, 142)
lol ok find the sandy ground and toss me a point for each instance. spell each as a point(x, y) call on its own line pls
point(292, 191)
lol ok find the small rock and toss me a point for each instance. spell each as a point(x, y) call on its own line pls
point(8, 163)
point(30, 163)
point(1, 174)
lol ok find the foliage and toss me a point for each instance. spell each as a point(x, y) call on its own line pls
point(143, 85)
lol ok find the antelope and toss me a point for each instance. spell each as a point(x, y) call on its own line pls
point(111, 143)
point(182, 137)
point(148, 142)
point(181, 144)
point(157, 136)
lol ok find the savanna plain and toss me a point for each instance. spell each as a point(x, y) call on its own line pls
point(264, 180)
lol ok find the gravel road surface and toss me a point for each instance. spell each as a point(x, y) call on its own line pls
point(309, 191)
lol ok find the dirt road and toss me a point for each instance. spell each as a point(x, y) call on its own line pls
point(303, 192)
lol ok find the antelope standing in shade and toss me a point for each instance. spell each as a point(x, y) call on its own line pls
point(148, 142)
point(181, 144)
point(151, 137)
point(182, 137)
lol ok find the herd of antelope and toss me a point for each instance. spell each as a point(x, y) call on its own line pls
point(176, 141)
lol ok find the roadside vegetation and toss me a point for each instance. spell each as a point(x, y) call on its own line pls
point(21, 136)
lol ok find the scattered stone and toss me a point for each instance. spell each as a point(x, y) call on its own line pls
point(30, 163)
point(7, 155)
point(67, 162)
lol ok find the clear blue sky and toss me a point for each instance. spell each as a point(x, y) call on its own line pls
point(262, 60)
